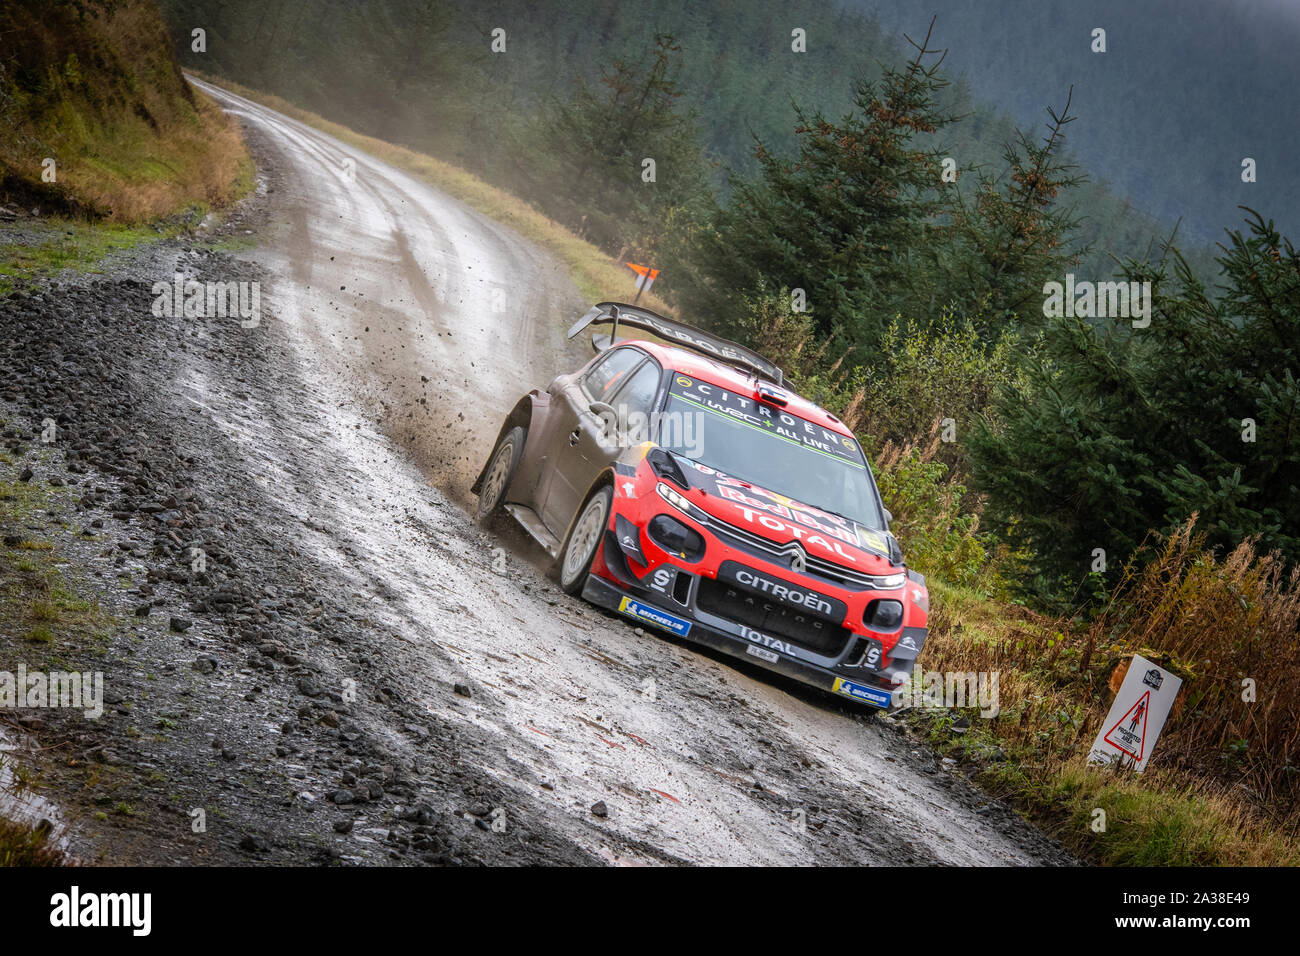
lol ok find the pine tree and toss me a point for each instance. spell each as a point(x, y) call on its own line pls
point(1124, 430)
point(595, 146)
point(848, 221)
point(1016, 232)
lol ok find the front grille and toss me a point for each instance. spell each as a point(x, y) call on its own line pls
point(756, 544)
point(775, 620)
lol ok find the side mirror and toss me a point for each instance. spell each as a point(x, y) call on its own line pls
point(889, 517)
point(599, 342)
point(604, 411)
point(895, 552)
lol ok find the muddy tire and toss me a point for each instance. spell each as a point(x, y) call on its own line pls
point(500, 470)
point(584, 539)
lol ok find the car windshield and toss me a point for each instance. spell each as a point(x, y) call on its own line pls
point(771, 448)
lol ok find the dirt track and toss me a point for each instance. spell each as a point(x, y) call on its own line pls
point(333, 447)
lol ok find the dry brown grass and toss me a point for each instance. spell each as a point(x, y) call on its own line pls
point(1231, 627)
point(1217, 622)
point(1221, 788)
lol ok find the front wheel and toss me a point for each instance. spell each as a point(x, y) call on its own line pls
point(584, 539)
point(500, 469)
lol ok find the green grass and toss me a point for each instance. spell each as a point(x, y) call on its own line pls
point(1159, 818)
point(71, 244)
point(20, 500)
point(38, 604)
point(21, 845)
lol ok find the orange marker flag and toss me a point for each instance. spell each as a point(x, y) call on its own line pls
point(645, 276)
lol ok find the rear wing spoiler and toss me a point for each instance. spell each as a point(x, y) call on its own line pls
point(678, 333)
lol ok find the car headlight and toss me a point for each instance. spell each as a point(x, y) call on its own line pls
point(680, 502)
point(888, 582)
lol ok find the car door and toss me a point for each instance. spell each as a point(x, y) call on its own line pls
point(576, 436)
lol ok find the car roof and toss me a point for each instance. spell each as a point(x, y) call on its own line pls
point(729, 377)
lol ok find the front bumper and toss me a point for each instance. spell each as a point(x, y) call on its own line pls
point(663, 612)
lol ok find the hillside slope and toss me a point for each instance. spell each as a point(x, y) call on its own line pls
point(94, 86)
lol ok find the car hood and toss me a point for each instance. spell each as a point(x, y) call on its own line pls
point(780, 519)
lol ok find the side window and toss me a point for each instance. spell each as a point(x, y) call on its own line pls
point(636, 399)
point(604, 378)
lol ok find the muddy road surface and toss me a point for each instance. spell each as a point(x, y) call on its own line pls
point(368, 676)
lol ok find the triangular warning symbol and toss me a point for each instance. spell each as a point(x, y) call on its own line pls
point(1130, 734)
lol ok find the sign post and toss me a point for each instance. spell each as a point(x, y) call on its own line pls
point(1130, 730)
point(645, 277)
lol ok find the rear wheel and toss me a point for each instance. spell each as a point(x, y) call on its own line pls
point(501, 468)
point(584, 539)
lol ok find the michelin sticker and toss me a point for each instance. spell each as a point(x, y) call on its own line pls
point(859, 692)
point(652, 615)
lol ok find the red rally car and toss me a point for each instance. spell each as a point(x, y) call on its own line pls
point(684, 487)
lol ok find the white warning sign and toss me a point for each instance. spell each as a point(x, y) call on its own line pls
point(1130, 730)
